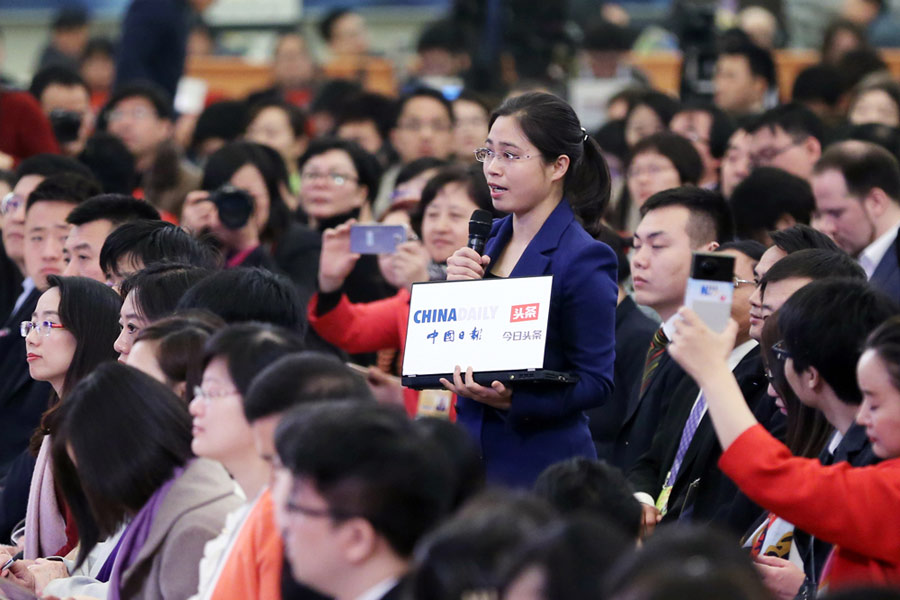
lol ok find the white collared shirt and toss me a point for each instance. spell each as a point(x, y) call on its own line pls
point(874, 252)
point(377, 591)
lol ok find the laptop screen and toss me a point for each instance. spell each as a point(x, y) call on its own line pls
point(489, 325)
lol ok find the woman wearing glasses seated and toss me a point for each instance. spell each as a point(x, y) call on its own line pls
point(543, 169)
point(71, 332)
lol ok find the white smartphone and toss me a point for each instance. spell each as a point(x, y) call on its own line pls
point(710, 288)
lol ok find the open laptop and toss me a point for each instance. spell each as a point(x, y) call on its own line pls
point(496, 326)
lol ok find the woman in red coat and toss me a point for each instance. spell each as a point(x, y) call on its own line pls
point(442, 222)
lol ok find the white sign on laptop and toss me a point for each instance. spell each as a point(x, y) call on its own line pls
point(496, 326)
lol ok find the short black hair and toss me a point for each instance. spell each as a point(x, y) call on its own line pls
point(863, 166)
point(367, 106)
point(464, 454)
point(146, 432)
point(417, 167)
point(367, 168)
point(759, 59)
point(825, 325)
point(110, 161)
point(721, 128)
point(750, 248)
point(226, 119)
point(710, 217)
point(296, 116)
point(876, 133)
point(664, 105)
point(151, 92)
point(604, 36)
point(793, 118)
point(248, 348)
point(802, 237)
point(146, 242)
point(368, 460)
point(855, 64)
point(64, 187)
point(819, 83)
point(679, 150)
point(333, 95)
point(299, 378)
point(764, 196)
point(582, 485)
point(326, 25)
point(55, 74)
point(421, 92)
point(116, 208)
point(264, 297)
point(98, 45)
point(69, 18)
point(444, 34)
point(46, 165)
point(814, 264)
point(158, 287)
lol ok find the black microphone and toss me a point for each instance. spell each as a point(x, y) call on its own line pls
point(479, 229)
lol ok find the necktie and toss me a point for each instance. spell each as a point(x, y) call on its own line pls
point(654, 356)
point(687, 434)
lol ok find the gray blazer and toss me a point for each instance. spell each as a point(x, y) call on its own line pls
point(192, 513)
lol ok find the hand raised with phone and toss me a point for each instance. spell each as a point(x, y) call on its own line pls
point(336, 260)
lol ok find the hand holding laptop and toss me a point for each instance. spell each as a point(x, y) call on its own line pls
point(497, 396)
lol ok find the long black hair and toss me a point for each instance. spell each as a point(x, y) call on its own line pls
point(127, 433)
point(553, 127)
point(89, 311)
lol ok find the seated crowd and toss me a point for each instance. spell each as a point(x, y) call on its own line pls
point(200, 375)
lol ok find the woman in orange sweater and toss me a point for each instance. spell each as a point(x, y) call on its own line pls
point(852, 507)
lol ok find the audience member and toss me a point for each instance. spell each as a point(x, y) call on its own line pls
point(68, 38)
point(674, 224)
point(744, 74)
point(110, 161)
point(281, 126)
point(770, 199)
point(24, 129)
point(65, 99)
point(293, 70)
point(345, 33)
point(470, 125)
point(92, 221)
point(141, 115)
point(220, 123)
point(367, 119)
point(736, 161)
point(788, 137)
point(878, 102)
point(649, 113)
point(857, 190)
point(840, 37)
point(709, 129)
point(820, 88)
point(97, 66)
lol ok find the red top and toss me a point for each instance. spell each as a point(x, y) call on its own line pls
point(854, 508)
point(24, 129)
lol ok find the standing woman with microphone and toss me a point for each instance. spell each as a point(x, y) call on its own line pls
point(546, 172)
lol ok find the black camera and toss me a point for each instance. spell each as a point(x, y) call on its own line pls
point(234, 205)
point(66, 124)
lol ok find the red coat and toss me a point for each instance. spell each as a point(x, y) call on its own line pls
point(24, 129)
point(854, 508)
point(368, 327)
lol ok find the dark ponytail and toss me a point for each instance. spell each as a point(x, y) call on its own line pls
point(553, 127)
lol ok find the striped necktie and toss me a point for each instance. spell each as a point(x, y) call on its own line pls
point(654, 356)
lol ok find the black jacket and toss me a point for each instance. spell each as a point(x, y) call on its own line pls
point(701, 492)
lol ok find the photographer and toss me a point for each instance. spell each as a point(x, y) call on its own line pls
point(241, 205)
point(66, 100)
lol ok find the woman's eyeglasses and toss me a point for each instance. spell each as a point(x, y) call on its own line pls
point(43, 328)
point(781, 353)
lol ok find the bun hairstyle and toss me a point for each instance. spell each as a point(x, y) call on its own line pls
point(554, 129)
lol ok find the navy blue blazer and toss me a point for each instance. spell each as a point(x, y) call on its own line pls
point(886, 276)
point(546, 422)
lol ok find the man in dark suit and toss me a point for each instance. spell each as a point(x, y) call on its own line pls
point(674, 224)
point(857, 190)
point(678, 478)
point(634, 330)
point(359, 486)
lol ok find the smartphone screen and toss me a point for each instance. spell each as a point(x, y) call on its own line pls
point(710, 288)
point(376, 239)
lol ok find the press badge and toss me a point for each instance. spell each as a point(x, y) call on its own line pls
point(434, 403)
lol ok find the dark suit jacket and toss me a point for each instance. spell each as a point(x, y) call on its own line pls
point(701, 493)
point(634, 330)
point(546, 423)
point(22, 400)
point(297, 254)
point(10, 284)
point(887, 274)
point(644, 412)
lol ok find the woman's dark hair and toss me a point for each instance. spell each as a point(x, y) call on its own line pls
point(574, 557)
point(679, 150)
point(228, 160)
point(471, 177)
point(368, 171)
point(158, 288)
point(225, 120)
point(296, 118)
point(885, 342)
point(110, 161)
point(835, 27)
point(180, 341)
point(553, 127)
point(248, 348)
point(664, 106)
point(465, 457)
point(127, 433)
point(89, 311)
point(417, 167)
point(807, 429)
point(888, 86)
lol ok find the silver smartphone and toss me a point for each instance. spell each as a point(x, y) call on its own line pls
point(710, 288)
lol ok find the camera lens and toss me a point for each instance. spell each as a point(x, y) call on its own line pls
point(234, 205)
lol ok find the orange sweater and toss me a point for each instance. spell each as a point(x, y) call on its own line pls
point(253, 567)
point(854, 508)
